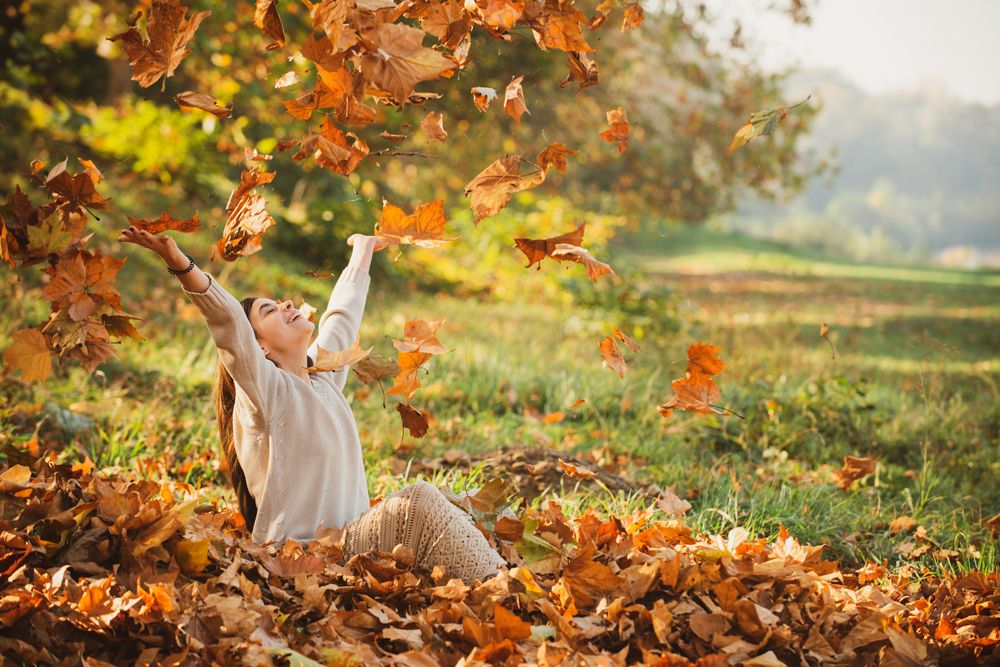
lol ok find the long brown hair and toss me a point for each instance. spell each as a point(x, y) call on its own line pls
point(224, 397)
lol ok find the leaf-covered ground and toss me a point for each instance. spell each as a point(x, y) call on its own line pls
point(111, 569)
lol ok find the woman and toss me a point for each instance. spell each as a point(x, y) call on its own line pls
point(289, 436)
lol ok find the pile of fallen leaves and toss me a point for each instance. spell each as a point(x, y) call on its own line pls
point(108, 569)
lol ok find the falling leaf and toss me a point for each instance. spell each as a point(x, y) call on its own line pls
point(169, 32)
point(554, 155)
point(595, 267)
point(855, 467)
point(513, 99)
point(612, 356)
point(289, 78)
point(433, 126)
point(760, 123)
point(482, 96)
point(492, 187)
point(204, 102)
point(632, 345)
point(633, 17)
point(247, 219)
point(537, 249)
point(165, 222)
point(29, 354)
point(401, 61)
point(334, 360)
point(424, 227)
point(414, 419)
point(267, 19)
point(618, 128)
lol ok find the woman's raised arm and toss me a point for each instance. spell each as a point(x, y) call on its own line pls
point(340, 323)
point(228, 324)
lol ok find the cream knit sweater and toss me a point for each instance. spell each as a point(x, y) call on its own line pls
point(296, 441)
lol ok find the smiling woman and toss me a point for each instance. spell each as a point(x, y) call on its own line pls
point(290, 438)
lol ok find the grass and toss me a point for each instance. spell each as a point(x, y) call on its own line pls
point(914, 382)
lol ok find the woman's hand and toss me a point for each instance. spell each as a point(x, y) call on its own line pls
point(377, 242)
point(164, 246)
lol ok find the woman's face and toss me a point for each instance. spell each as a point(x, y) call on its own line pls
point(280, 326)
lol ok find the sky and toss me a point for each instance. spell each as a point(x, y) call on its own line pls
point(884, 46)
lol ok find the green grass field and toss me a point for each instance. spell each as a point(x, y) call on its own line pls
point(914, 382)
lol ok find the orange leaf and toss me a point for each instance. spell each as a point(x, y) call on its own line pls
point(424, 227)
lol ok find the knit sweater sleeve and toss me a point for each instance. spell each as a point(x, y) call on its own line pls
point(238, 349)
point(340, 324)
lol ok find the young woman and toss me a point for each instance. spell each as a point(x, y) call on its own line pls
point(289, 436)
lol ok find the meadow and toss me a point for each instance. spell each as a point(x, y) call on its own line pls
point(908, 373)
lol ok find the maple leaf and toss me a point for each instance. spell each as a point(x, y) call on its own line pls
point(73, 194)
point(560, 29)
point(267, 19)
point(424, 227)
point(702, 358)
point(513, 99)
point(855, 467)
point(697, 393)
point(448, 21)
point(328, 360)
point(29, 354)
point(194, 100)
point(491, 188)
point(574, 253)
point(414, 419)
point(618, 128)
point(375, 367)
point(554, 155)
point(165, 222)
point(247, 218)
point(333, 149)
point(169, 31)
point(632, 345)
point(420, 336)
point(760, 123)
point(537, 249)
point(399, 61)
point(406, 381)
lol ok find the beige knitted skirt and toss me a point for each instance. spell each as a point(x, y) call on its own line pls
point(422, 518)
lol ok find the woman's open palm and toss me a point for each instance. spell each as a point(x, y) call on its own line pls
point(158, 243)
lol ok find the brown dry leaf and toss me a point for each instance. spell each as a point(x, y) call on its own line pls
point(165, 222)
point(401, 61)
point(29, 354)
point(632, 17)
point(855, 467)
point(573, 470)
point(194, 100)
point(595, 267)
point(513, 99)
point(560, 29)
point(420, 336)
point(669, 502)
point(247, 220)
point(632, 345)
point(697, 393)
point(169, 31)
point(406, 381)
point(375, 367)
point(267, 19)
point(618, 128)
point(414, 419)
point(612, 356)
point(492, 187)
point(537, 249)
point(482, 96)
point(330, 360)
point(554, 155)
point(433, 126)
point(901, 524)
point(424, 227)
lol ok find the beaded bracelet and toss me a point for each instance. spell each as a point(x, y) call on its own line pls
point(178, 272)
